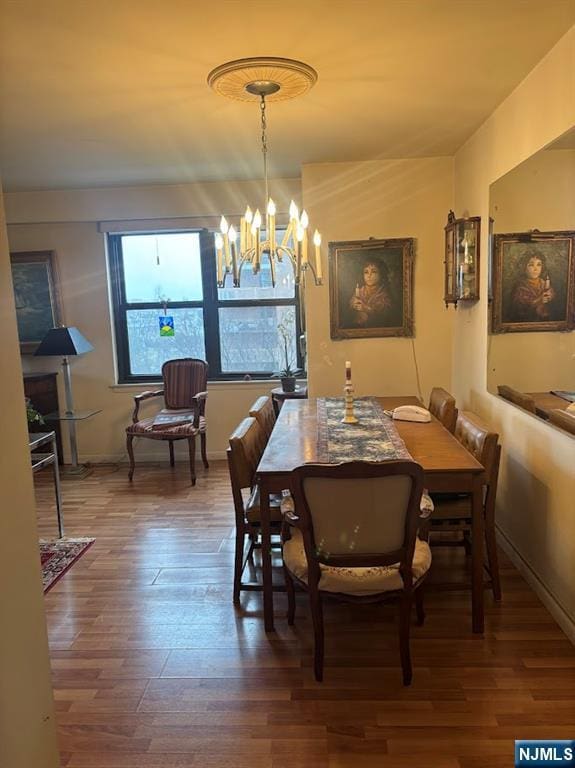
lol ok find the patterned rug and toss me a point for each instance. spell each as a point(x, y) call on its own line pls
point(57, 556)
point(373, 438)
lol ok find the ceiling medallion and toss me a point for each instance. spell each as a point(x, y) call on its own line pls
point(264, 79)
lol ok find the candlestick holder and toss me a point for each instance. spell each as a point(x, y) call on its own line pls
point(349, 416)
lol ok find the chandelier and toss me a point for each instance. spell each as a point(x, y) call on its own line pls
point(265, 79)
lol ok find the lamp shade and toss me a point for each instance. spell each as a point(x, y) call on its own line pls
point(62, 342)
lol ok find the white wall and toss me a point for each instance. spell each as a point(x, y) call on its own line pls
point(67, 222)
point(27, 725)
point(535, 511)
point(383, 199)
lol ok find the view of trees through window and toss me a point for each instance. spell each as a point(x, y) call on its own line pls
point(167, 306)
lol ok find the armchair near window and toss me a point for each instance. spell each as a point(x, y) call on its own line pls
point(184, 392)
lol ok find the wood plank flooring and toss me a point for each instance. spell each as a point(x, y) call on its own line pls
point(154, 668)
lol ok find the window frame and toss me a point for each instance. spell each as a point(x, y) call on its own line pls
point(210, 305)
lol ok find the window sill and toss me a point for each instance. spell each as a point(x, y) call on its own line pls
point(217, 384)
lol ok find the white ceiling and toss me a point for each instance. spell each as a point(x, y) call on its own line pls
point(114, 92)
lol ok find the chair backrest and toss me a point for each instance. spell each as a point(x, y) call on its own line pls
point(442, 406)
point(562, 419)
point(263, 412)
point(358, 514)
point(247, 443)
point(479, 441)
point(515, 396)
point(183, 378)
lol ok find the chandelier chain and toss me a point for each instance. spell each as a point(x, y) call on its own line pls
point(264, 146)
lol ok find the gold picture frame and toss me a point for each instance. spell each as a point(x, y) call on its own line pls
point(533, 277)
point(371, 288)
point(37, 296)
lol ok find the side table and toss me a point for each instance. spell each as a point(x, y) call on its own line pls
point(76, 471)
point(41, 460)
point(278, 396)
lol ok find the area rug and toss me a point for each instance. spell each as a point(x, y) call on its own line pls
point(58, 556)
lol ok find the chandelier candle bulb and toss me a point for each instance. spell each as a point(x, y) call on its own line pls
point(256, 231)
point(219, 258)
point(272, 227)
point(233, 236)
point(317, 243)
point(304, 222)
point(249, 219)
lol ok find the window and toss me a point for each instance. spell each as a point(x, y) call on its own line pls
point(174, 274)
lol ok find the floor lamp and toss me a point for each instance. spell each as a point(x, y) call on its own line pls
point(64, 342)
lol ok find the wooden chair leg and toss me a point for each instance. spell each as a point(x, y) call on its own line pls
point(203, 449)
point(419, 610)
point(317, 619)
point(290, 591)
point(492, 559)
point(404, 626)
point(130, 449)
point(171, 444)
point(192, 452)
point(238, 564)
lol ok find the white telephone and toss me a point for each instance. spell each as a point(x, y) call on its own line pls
point(410, 413)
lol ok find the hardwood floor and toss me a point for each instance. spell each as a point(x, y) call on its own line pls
point(153, 667)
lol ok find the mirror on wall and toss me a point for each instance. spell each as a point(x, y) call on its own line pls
point(531, 350)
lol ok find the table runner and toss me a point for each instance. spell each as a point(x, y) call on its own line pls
point(374, 438)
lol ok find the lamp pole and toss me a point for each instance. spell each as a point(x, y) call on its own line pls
point(70, 411)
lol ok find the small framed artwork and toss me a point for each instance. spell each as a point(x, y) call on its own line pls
point(36, 295)
point(533, 279)
point(371, 288)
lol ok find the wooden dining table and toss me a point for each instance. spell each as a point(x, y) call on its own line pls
point(447, 465)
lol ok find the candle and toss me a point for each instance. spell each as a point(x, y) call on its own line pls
point(219, 257)
point(256, 233)
point(272, 225)
point(233, 235)
point(249, 218)
point(304, 222)
point(317, 243)
point(348, 370)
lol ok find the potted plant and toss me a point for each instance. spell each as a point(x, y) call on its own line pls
point(287, 374)
point(32, 414)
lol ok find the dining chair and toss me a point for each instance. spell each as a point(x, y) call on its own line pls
point(562, 419)
point(442, 406)
point(518, 398)
point(184, 392)
point(263, 412)
point(246, 445)
point(452, 511)
point(352, 535)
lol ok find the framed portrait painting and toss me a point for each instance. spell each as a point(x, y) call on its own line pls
point(36, 296)
point(371, 288)
point(533, 279)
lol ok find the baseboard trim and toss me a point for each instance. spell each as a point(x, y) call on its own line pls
point(122, 458)
point(565, 621)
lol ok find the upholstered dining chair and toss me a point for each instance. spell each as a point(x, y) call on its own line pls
point(452, 511)
point(263, 412)
point(184, 392)
point(246, 445)
point(352, 535)
point(518, 398)
point(442, 406)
